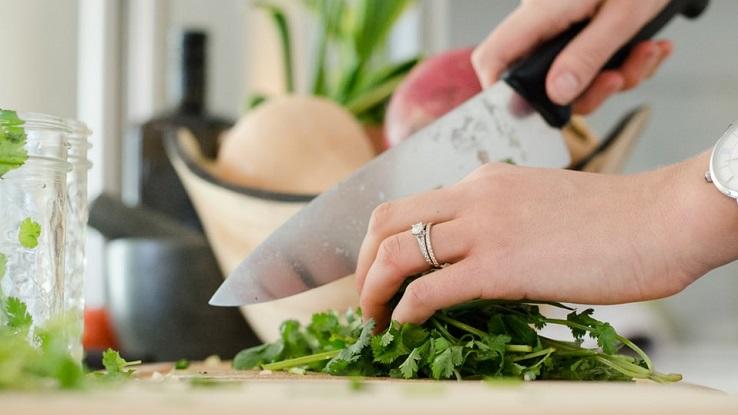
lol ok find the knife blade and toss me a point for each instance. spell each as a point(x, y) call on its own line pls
point(320, 244)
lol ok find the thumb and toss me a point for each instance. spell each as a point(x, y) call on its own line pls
point(582, 59)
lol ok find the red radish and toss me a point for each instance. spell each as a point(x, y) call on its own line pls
point(433, 88)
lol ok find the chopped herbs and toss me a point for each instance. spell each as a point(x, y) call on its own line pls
point(13, 153)
point(116, 368)
point(37, 360)
point(182, 364)
point(482, 339)
point(28, 233)
point(40, 359)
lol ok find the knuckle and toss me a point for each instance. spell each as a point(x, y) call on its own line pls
point(390, 251)
point(417, 295)
point(585, 63)
point(380, 216)
point(490, 169)
point(477, 57)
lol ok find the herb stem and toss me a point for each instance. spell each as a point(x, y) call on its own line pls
point(463, 326)
point(443, 330)
point(518, 348)
point(665, 377)
point(545, 352)
point(638, 351)
point(301, 361)
point(620, 368)
point(621, 339)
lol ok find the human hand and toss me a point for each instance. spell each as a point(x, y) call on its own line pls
point(545, 234)
point(575, 75)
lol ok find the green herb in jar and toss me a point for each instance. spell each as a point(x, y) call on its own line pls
point(13, 153)
point(29, 233)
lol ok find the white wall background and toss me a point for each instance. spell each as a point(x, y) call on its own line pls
point(39, 69)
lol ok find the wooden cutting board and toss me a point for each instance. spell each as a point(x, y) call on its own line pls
point(251, 392)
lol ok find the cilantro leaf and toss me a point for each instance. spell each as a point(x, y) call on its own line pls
point(16, 314)
point(520, 330)
point(28, 233)
point(446, 361)
point(387, 337)
point(181, 364)
point(493, 346)
point(13, 153)
point(411, 366)
point(352, 353)
point(397, 341)
point(115, 366)
point(295, 342)
point(324, 326)
point(256, 356)
point(604, 333)
point(607, 338)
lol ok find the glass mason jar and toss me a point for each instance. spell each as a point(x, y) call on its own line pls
point(76, 224)
point(32, 217)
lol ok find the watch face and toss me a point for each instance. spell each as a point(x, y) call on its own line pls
point(724, 162)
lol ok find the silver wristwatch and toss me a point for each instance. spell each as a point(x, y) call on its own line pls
point(723, 171)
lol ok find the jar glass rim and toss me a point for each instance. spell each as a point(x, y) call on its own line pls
point(37, 120)
point(79, 128)
point(43, 161)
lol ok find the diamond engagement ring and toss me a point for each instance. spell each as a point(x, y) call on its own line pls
point(419, 231)
point(429, 247)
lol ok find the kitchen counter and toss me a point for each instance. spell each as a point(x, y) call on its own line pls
point(250, 392)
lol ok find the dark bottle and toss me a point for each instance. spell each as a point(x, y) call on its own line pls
point(156, 184)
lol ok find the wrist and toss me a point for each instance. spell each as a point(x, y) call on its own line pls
point(703, 222)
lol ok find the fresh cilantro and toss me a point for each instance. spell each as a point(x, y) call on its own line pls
point(28, 233)
point(115, 366)
point(13, 153)
point(409, 368)
point(478, 340)
point(603, 332)
point(35, 359)
point(255, 356)
point(181, 364)
point(445, 363)
point(16, 315)
point(351, 354)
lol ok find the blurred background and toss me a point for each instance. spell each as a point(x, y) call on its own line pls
point(133, 69)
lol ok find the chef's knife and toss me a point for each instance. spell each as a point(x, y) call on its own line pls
point(320, 244)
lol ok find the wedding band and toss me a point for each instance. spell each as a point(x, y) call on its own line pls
point(419, 231)
point(429, 247)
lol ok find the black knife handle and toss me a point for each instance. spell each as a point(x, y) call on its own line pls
point(528, 76)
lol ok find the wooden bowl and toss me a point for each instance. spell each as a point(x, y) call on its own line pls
point(237, 219)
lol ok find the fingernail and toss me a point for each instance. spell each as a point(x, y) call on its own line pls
point(565, 87)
